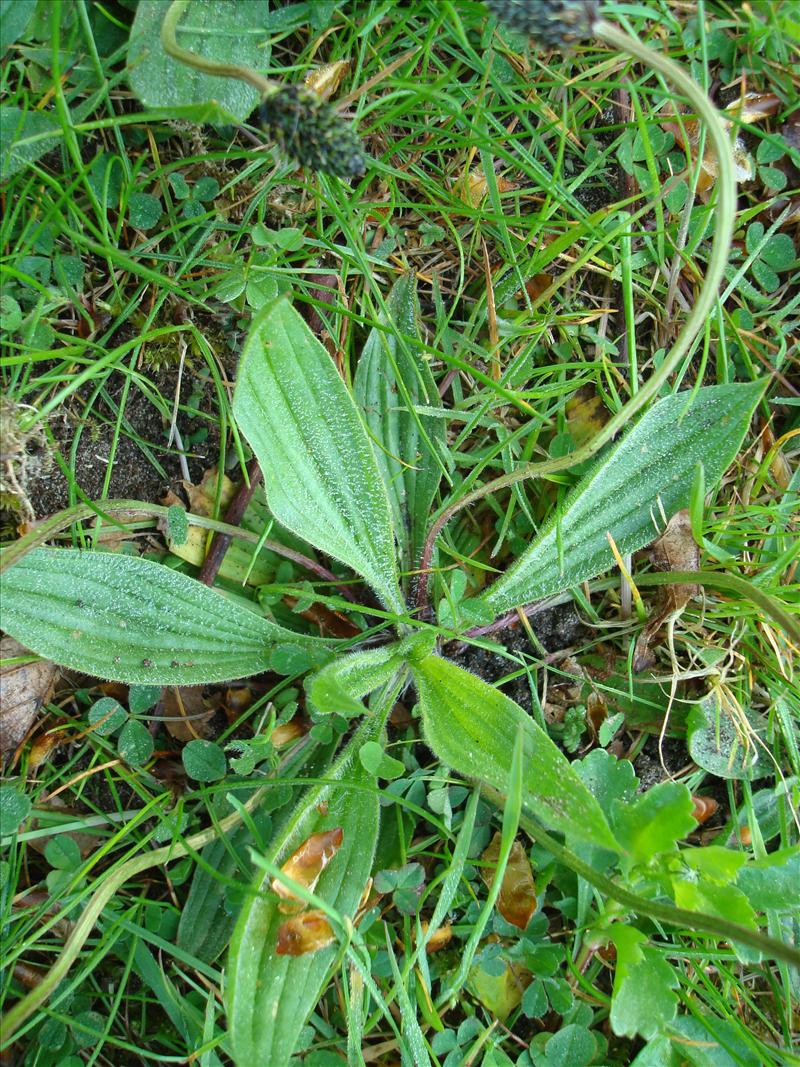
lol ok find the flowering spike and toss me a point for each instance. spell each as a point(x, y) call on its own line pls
point(312, 132)
point(553, 23)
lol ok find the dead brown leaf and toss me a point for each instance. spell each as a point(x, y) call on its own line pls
point(325, 80)
point(44, 744)
point(237, 700)
point(24, 687)
point(288, 732)
point(187, 713)
point(675, 550)
point(306, 864)
point(474, 188)
point(703, 808)
point(441, 937)
point(753, 107)
point(517, 899)
point(308, 932)
point(202, 497)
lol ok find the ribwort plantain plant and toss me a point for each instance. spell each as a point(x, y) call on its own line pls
point(356, 475)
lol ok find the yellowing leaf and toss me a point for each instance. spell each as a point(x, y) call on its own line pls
point(688, 134)
point(755, 107)
point(586, 414)
point(517, 899)
point(474, 188)
point(307, 932)
point(306, 864)
point(499, 994)
point(288, 732)
point(325, 80)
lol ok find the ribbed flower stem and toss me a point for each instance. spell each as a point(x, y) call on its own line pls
point(725, 217)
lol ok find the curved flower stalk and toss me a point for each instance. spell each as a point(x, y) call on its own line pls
point(307, 128)
point(560, 23)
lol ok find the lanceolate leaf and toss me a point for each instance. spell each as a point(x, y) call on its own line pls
point(472, 728)
point(133, 620)
point(270, 996)
point(389, 382)
point(320, 475)
point(214, 29)
point(655, 463)
point(339, 686)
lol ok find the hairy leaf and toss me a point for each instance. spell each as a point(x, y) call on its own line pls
point(133, 620)
point(653, 465)
point(320, 474)
point(472, 727)
point(271, 994)
point(389, 383)
point(214, 29)
point(339, 686)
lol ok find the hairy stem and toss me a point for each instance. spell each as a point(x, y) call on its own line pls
point(723, 231)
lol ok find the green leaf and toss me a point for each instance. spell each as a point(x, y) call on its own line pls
point(716, 742)
point(14, 18)
point(132, 620)
point(376, 761)
point(269, 997)
point(714, 862)
point(17, 130)
point(607, 778)
point(144, 211)
point(654, 821)
point(571, 1046)
point(706, 1040)
point(135, 743)
point(320, 474)
point(778, 251)
point(654, 463)
point(204, 761)
point(773, 882)
point(472, 728)
point(339, 687)
point(10, 313)
point(643, 999)
point(391, 380)
point(107, 716)
point(88, 1028)
point(14, 809)
point(711, 898)
point(142, 698)
point(62, 852)
point(215, 29)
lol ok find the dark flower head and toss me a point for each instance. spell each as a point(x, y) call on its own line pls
point(553, 23)
point(312, 132)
